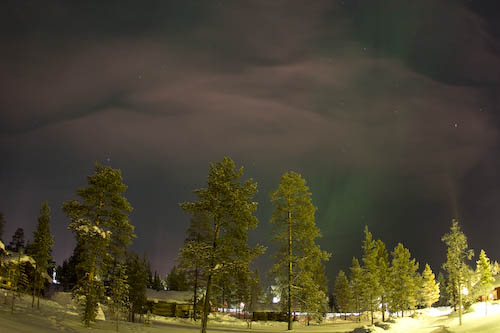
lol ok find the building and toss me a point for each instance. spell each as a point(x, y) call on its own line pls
point(171, 303)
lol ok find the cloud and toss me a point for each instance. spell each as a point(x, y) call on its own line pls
point(277, 86)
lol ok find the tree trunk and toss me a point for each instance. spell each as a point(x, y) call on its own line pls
point(223, 297)
point(194, 292)
point(371, 312)
point(290, 324)
point(206, 305)
point(459, 305)
point(34, 289)
point(33, 296)
point(383, 309)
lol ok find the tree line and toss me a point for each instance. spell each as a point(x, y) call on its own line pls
point(32, 264)
point(394, 285)
point(216, 261)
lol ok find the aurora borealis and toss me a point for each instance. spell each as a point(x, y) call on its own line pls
point(389, 109)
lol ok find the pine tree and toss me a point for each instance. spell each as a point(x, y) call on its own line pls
point(17, 241)
point(191, 257)
point(42, 247)
point(371, 277)
point(383, 275)
point(430, 289)
point(225, 282)
point(241, 295)
point(356, 286)
point(176, 280)
point(228, 204)
point(403, 280)
point(71, 271)
point(156, 282)
point(443, 294)
point(495, 268)
point(483, 270)
point(296, 232)
point(119, 293)
point(457, 255)
point(18, 276)
point(100, 223)
point(256, 293)
point(311, 294)
point(137, 279)
point(342, 293)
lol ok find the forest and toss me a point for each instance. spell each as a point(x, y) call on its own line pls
point(217, 264)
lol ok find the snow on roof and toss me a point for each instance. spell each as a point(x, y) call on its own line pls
point(169, 296)
point(496, 284)
point(15, 258)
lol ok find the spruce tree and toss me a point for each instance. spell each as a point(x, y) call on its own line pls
point(403, 280)
point(42, 247)
point(19, 280)
point(457, 255)
point(157, 282)
point(495, 268)
point(176, 279)
point(430, 289)
point(229, 205)
point(483, 270)
point(356, 286)
point(443, 294)
point(70, 272)
point(17, 241)
point(383, 275)
point(101, 225)
point(371, 277)
point(256, 294)
point(299, 260)
point(119, 293)
point(137, 279)
point(191, 257)
point(342, 293)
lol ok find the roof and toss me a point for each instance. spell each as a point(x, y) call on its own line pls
point(266, 307)
point(169, 296)
point(496, 283)
point(15, 258)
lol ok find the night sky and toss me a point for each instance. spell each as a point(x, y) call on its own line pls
point(389, 109)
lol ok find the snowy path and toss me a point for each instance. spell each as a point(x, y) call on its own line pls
point(60, 316)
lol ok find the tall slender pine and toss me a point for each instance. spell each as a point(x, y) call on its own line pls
point(229, 205)
point(299, 260)
point(457, 255)
point(101, 226)
point(42, 247)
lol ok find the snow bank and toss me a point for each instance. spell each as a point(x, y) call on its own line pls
point(368, 329)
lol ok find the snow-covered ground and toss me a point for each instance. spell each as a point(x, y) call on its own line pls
point(59, 315)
